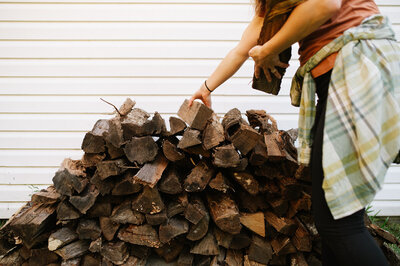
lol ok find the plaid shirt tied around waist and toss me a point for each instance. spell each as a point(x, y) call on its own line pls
point(362, 122)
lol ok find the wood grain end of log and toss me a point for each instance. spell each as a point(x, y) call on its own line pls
point(149, 201)
point(127, 106)
point(61, 238)
point(281, 224)
point(199, 177)
point(46, 196)
point(88, 229)
point(171, 183)
point(247, 181)
point(282, 245)
point(108, 227)
point(73, 250)
point(245, 138)
point(196, 116)
point(170, 251)
point(172, 228)
point(116, 252)
point(141, 149)
point(224, 213)
point(151, 173)
point(254, 221)
point(91, 159)
point(226, 156)
point(177, 125)
point(213, 133)
point(207, 246)
point(260, 250)
point(220, 183)
point(144, 235)
point(190, 138)
point(171, 150)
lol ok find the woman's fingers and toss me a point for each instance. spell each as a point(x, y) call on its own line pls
point(257, 71)
point(191, 101)
point(267, 74)
point(275, 72)
point(207, 101)
point(282, 65)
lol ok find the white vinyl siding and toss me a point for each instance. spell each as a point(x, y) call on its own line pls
point(59, 57)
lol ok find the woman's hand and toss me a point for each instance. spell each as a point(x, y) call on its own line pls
point(203, 94)
point(266, 61)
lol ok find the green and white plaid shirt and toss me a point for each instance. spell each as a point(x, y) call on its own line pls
point(362, 122)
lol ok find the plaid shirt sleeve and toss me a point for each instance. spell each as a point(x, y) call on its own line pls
point(362, 123)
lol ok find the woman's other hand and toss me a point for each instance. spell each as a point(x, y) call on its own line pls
point(266, 61)
point(203, 94)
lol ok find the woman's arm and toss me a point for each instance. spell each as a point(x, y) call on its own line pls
point(304, 19)
point(231, 62)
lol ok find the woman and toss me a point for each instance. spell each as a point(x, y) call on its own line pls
point(350, 59)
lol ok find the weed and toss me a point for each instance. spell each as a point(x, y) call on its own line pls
point(2, 222)
point(34, 189)
point(385, 223)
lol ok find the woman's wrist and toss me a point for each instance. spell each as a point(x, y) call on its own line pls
point(206, 86)
point(267, 49)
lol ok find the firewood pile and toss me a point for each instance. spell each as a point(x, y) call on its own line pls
point(204, 192)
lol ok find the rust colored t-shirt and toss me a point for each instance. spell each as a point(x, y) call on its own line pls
point(352, 13)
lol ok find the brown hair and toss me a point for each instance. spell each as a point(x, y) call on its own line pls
point(259, 6)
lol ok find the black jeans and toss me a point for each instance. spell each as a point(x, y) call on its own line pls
point(345, 241)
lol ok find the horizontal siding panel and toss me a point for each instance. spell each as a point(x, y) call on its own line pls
point(107, 49)
point(120, 68)
point(121, 31)
point(128, 49)
point(164, 104)
point(8, 209)
point(244, 2)
point(18, 193)
point(241, 2)
point(392, 12)
point(393, 174)
point(41, 140)
point(23, 176)
point(118, 12)
point(385, 208)
point(124, 86)
point(125, 31)
point(49, 122)
point(389, 192)
point(37, 158)
point(381, 2)
point(140, 12)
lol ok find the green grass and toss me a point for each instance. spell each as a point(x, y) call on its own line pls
point(388, 223)
point(2, 222)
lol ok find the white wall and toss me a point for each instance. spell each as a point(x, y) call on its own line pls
point(57, 58)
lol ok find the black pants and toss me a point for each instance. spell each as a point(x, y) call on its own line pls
point(345, 241)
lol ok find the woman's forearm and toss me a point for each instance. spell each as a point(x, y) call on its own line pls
point(304, 19)
point(226, 68)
